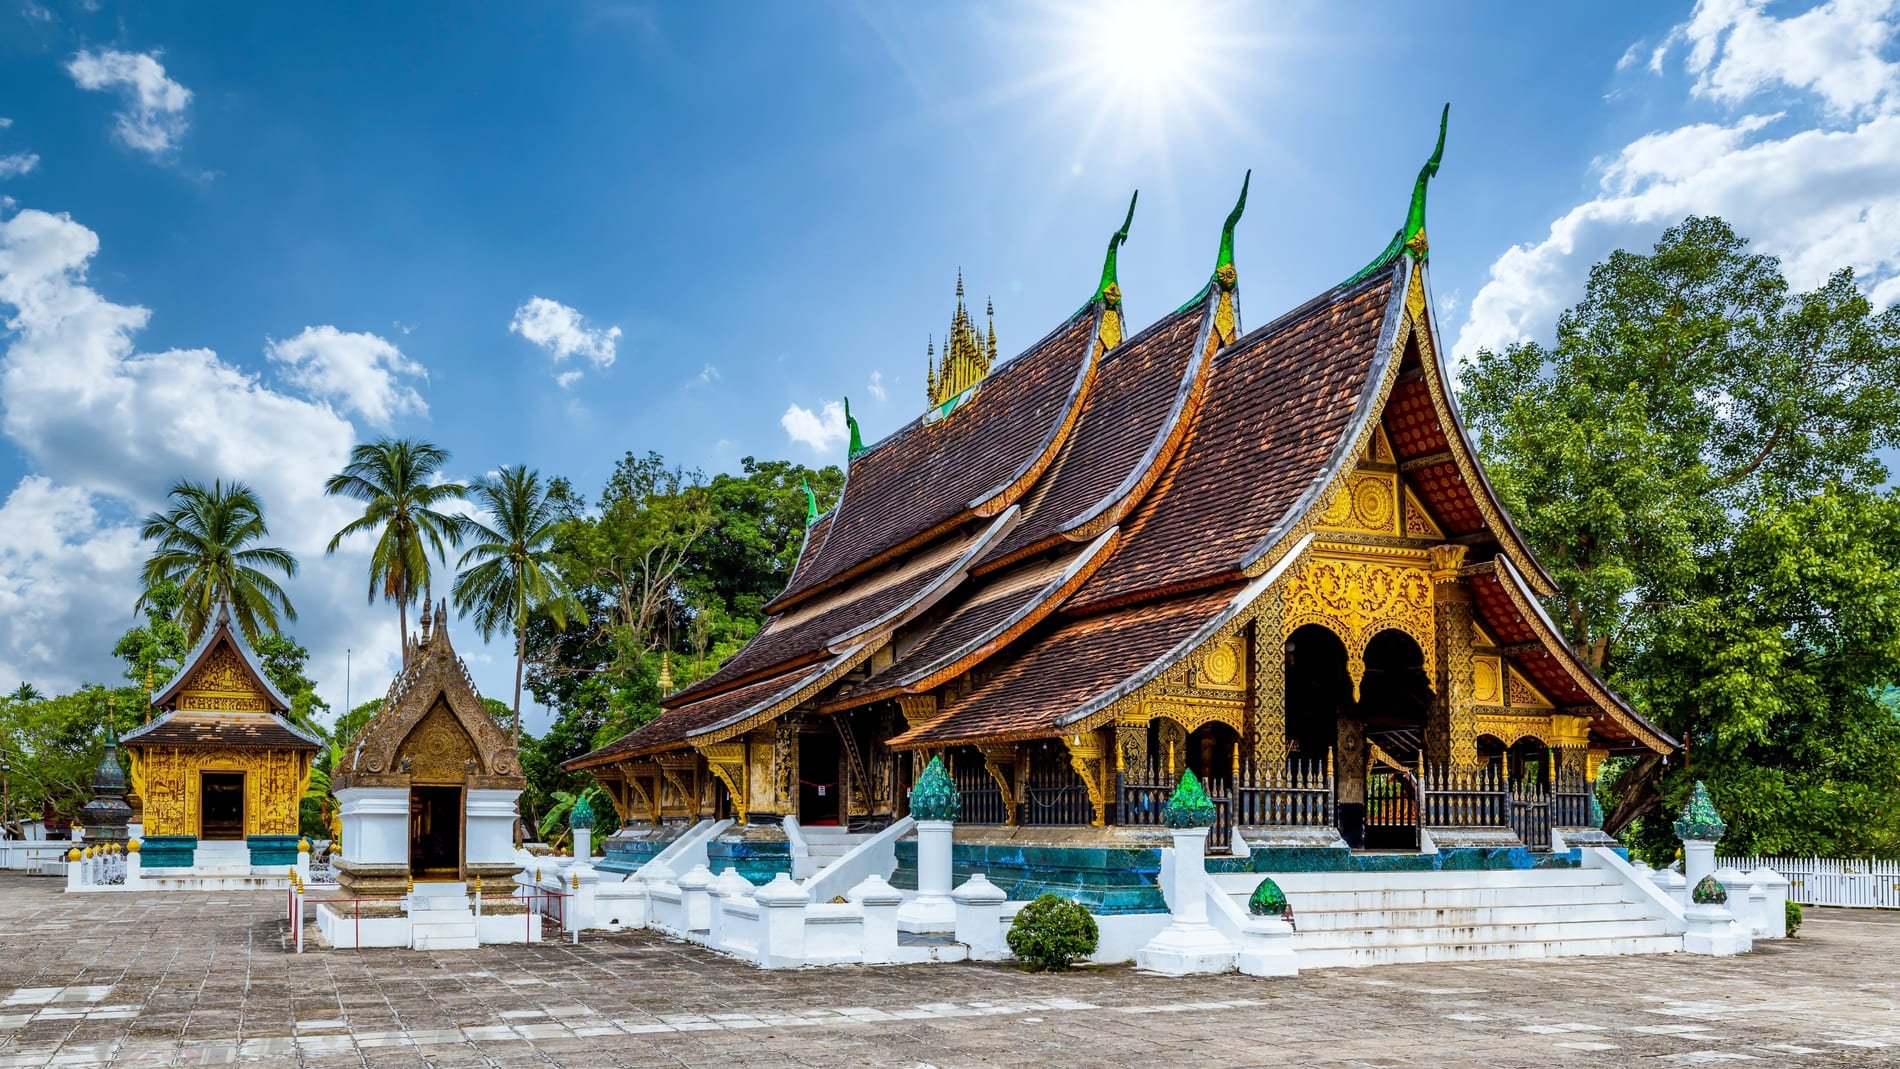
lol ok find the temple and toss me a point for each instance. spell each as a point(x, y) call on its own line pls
point(1267, 555)
point(221, 771)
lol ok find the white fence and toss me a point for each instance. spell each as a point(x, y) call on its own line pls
point(1830, 881)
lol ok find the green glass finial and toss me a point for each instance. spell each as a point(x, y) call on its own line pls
point(857, 440)
point(582, 815)
point(1709, 892)
point(811, 501)
point(1412, 234)
point(1110, 288)
point(935, 796)
point(1189, 806)
point(1227, 229)
point(1699, 821)
point(1268, 900)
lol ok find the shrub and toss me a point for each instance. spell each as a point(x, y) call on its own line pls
point(1794, 917)
point(1051, 932)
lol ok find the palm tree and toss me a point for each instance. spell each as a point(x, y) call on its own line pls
point(205, 549)
point(394, 479)
point(512, 577)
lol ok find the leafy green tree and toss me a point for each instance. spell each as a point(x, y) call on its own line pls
point(283, 659)
point(154, 652)
point(204, 548)
point(509, 572)
point(52, 745)
point(396, 481)
point(1696, 460)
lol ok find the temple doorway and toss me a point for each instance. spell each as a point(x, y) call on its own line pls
point(1322, 725)
point(435, 833)
point(1211, 750)
point(221, 802)
point(818, 762)
point(1395, 698)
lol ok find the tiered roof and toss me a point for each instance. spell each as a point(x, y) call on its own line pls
point(1094, 511)
point(221, 697)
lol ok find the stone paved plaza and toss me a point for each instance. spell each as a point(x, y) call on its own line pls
point(186, 980)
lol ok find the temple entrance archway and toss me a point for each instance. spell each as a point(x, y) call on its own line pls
point(221, 805)
point(1322, 722)
point(1395, 698)
point(819, 760)
point(435, 833)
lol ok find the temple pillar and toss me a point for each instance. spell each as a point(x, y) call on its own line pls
point(1451, 734)
point(1267, 694)
point(1349, 778)
point(999, 760)
point(1089, 757)
point(785, 764)
point(1131, 747)
point(1172, 738)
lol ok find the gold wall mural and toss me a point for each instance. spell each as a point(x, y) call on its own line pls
point(222, 685)
point(168, 778)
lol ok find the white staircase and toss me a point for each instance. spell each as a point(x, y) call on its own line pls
point(830, 844)
point(440, 918)
point(1380, 918)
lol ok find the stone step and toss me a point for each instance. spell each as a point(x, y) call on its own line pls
point(1313, 920)
point(1457, 935)
point(444, 936)
point(1444, 898)
point(1353, 957)
point(1440, 879)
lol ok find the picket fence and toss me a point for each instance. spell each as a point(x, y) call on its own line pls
point(1829, 881)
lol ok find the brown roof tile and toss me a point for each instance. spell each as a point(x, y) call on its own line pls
point(927, 474)
point(1127, 409)
point(259, 731)
point(1279, 402)
point(673, 725)
point(1034, 684)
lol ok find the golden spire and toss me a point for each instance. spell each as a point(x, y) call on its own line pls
point(666, 672)
point(966, 357)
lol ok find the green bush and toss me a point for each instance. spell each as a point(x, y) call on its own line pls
point(1794, 917)
point(1051, 932)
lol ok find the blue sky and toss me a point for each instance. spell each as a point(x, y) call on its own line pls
point(553, 233)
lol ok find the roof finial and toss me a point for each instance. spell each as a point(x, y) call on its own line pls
point(1226, 259)
point(857, 441)
point(1109, 290)
point(811, 501)
point(1412, 235)
point(666, 666)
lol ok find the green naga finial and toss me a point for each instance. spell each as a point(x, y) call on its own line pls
point(1412, 234)
point(857, 440)
point(811, 501)
point(1189, 805)
point(1699, 821)
point(1110, 291)
point(935, 797)
point(1224, 266)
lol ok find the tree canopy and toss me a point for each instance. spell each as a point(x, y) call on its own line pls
point(1696, 461)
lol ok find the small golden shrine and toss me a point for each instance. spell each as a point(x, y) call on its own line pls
point(434, 753)
point(220, 761)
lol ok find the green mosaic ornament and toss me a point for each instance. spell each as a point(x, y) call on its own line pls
point(1596, 809)
point(1412, 235)
point(1709, 893)
point(857, 440)
point(1109, 291)
point(1699, 821)
point(1268, 900)
point(1189, 806)
point(581, 817)
point(811, 502)
point(935, 797)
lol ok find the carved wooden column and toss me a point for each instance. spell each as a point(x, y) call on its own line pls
point(1268, 692)
point(785, 764)
point(1089, 758)
point(1451, 735)
point(999, 760)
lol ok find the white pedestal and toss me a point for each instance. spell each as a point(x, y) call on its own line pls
point(1713, 930)
point(1698, 860)
point(375, 824)
point(931, 909)
point(980, 917)
point(1189, 944)
point(490, 819)
point(1266, 948)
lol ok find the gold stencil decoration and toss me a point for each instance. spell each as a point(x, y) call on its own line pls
point(1221, 667)
point(438, 750)
point(1418, 522)
point(1484, 680)
point(222, 684)
point(1356, 600)
point(1367, 502)
point(169, 779)
point(1520, 693)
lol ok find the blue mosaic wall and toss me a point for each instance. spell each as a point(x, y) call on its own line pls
point(756, 860)
point(272, 851)
point(168, 851)
point(1107, 880)
point(626, 855)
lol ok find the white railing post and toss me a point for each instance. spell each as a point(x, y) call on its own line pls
point(980, 917)
point(134, 869)
point(782, 906)
point(879, 902)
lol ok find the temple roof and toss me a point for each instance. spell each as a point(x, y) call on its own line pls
point(937, 472)
point(267, 731)
point(222, 632)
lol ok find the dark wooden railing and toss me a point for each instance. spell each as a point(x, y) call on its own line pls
point(1391, 799)
point(1570, 800)
point(982, 800)
point(1299, 795)
point(1463, 798)
point(1530, 813)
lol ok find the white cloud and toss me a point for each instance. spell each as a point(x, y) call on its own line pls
point(563, 332)
point(359, 371)
point(821, 430)
point(18, 164)
point(708, 374)
point(877, 386)
point(153, 120)
point(108, 429)
point(1822, 197)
